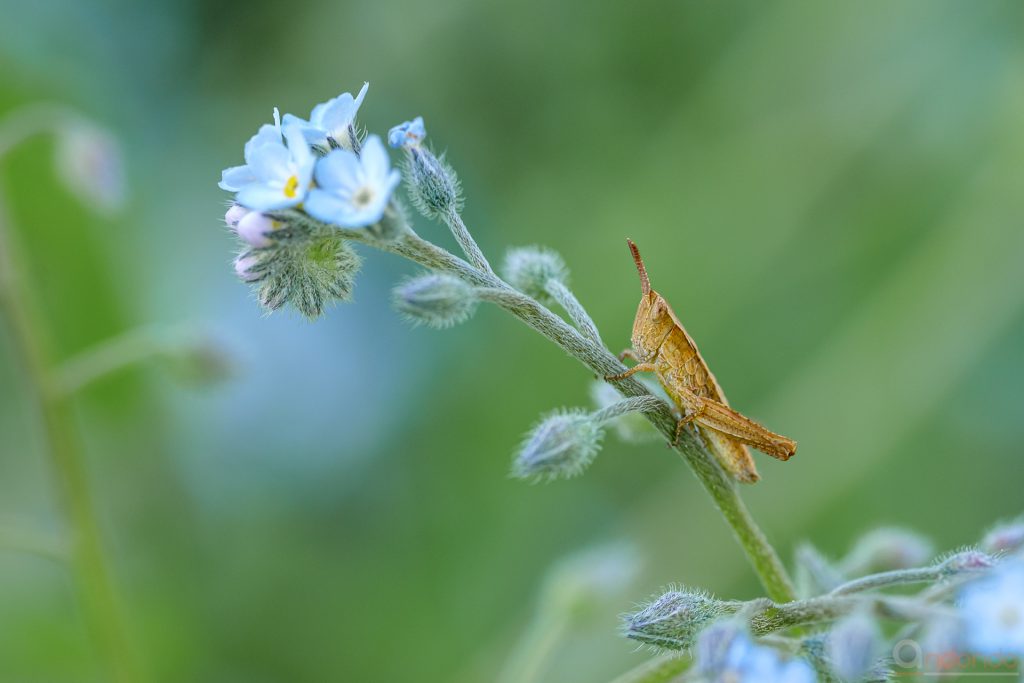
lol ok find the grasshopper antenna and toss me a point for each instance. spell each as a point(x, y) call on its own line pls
point(645, 283)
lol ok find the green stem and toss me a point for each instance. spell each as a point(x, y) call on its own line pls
point(896, 577)
point(63, 447)
point(599, 360)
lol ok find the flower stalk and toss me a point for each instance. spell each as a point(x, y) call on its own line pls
point(600, 361)
point(62, 444)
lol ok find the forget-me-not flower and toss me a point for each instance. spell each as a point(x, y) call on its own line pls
point(353, 191)
point(407, 134)
point(725, 653)
point(329, 121)
point(235, 178)
point(278, 175)
point(993, 612)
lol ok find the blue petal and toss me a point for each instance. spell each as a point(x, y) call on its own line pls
point(328, 207)
point(270, 162)
point(263, 197)
point(339, 170)
point(234, 178)
point(267, 134)
point(375, 159)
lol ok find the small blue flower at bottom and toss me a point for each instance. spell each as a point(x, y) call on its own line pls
point(407, 134)
point(725, 653)
point(993, 612)
point(353, 191)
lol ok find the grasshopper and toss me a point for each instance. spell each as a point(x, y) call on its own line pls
point(662, 346)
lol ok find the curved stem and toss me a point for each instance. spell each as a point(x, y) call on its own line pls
point(466, 241)
point(637, 404)
point(599, 360)
point(579, 316)
point(896, 577)
point(63, 447)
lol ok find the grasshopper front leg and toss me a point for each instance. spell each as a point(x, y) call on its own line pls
point(640, 367)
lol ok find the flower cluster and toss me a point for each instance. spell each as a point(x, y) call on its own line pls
point(301, 182)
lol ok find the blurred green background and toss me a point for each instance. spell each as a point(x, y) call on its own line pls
point(831, 196)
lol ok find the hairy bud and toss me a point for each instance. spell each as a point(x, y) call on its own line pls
point(1004, 538)
point(433, 185)
point(561, 446)
point(435, 299)
point(965, 562)
point(529, 269)
point(307, 273)
point(674, 619)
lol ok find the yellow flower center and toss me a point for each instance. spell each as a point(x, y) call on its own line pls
point(291, 187)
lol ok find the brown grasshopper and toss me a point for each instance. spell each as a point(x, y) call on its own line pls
point(662, 346)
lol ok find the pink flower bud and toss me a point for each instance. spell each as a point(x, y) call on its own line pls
point(243, 265)
point(253, 228)
point(236, 213)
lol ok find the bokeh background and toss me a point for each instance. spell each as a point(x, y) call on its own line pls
point(830, 194)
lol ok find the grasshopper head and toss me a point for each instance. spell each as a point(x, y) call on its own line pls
point(653, 321)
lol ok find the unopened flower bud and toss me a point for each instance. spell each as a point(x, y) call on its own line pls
point(854, 646)
point(673, 620)
point(529, 269)
point(885, 549)
point(407, 134)
point(561, 446)
point(435, 299)
point(244, 266)
point(1004, 538)
point(255, 228)
point(433, 185)
point(234, 214)
point(966, 561)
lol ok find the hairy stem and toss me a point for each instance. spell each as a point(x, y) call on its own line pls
point(896, 577)
point(637, 404)
point(63, 448)
point(466, 241)
point(599, 360)
point(579, 316)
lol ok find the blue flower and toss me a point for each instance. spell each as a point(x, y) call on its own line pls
point(353, 190)
point(408, 134)
point(279, 175)
point(993, 612)
point(726, 653)
point(329, 121)
point(235, 178)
